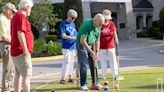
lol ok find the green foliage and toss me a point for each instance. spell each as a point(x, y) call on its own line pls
point(143, 34)
point(2, 2)
point(62, 9)
point(77, 5)
point(42, 14)
point(41, 46)
point(157, 29)
point(51, 38)
point(161, 21)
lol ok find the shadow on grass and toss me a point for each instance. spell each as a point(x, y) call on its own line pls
point(41, 90)
point(148, 87)
point(143, 73)
point(56, 89)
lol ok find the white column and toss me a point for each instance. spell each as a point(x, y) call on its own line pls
point(144, 20)
point(131, 21)
point(86, 9)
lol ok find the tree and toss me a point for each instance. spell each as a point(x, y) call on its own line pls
point(62, 9)
point(42, 15)
point(77, 5)
point(2, 2)
point(161, 21)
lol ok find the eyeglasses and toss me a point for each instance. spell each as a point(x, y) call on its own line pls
point(73, 18)
point(13, 12)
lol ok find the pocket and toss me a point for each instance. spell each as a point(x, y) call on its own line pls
point(27, 60)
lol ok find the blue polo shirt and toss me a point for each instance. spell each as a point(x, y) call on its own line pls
point(69, 29)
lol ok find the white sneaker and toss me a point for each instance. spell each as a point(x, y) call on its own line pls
point(118, 78)
point(104, 78)
point(84, 88)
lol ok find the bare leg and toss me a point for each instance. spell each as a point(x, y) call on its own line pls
point(26, 84)
point(17, 82)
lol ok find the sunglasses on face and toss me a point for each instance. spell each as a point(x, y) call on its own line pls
point(12, 11)
point(73, 18)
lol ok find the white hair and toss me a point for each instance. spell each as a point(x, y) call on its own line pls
point(99, 16)
point(23, 4)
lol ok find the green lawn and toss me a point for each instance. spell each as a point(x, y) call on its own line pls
point(135, 81)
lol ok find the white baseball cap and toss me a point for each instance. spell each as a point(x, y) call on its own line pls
point(10, 6)
point(107, 14)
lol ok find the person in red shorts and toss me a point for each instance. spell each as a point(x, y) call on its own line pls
point(108, 38)
point(22, 45)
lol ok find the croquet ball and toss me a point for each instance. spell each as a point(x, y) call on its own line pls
point(106, 83)
point(106, 88)
point(116, 86)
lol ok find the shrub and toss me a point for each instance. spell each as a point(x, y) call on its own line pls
point(157, 29)
point(51, 38)
point(143, 34)
point(51, 48)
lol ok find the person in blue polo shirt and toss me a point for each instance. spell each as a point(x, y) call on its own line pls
point(68, 34)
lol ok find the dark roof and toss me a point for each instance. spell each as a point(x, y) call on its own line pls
point(142, 4)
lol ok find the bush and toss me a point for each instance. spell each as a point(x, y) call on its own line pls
point(50, 48)
point(51, 38)
point(161, 21)
point(157, 29)
point(143, 34)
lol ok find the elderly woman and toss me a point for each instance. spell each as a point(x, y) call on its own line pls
point(107, 46)
point(68, 38)
point(22, 45)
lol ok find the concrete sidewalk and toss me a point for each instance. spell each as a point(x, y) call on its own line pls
point(134, 54)
point(53, 58)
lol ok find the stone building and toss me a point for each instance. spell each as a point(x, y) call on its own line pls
point(130, 16)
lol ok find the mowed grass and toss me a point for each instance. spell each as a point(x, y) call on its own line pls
point(144, 80)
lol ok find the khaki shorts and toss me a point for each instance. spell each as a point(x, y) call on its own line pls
point(23, 65)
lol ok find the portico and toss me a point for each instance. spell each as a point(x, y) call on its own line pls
point(122, 14)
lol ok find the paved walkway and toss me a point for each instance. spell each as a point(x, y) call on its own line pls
point(134, 54)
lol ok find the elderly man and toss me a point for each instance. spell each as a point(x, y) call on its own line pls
point(22, 45)
point(68, 36)
point(88, 35)
point(5, 40)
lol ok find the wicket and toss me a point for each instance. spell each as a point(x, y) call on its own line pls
point(159, 85)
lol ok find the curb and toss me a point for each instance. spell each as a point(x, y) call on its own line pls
point(47, 58)
point(43, 59)
point(53, 58)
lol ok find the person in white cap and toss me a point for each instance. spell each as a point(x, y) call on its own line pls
point(107, 45)
point(5, 40)
point(68, 38)
point(22, 45)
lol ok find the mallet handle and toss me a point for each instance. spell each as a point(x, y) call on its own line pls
point(94, 62)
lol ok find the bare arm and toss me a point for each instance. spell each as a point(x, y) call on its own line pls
point(97, 45)
point(85, 45)
point(68, 37)
point(22, 40)
point(116, 37)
